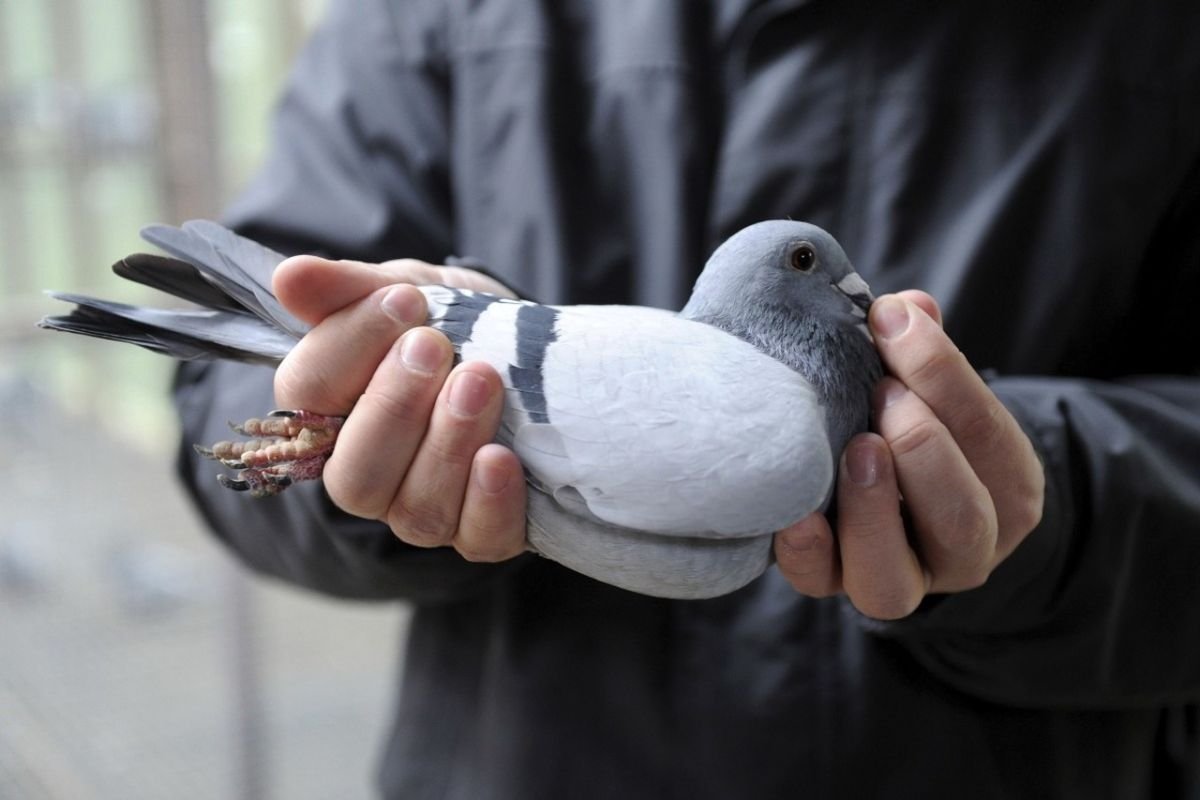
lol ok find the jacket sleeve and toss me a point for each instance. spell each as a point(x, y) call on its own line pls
point(1100, 605)
point(357, 170)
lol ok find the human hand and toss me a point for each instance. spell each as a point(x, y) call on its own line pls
point(948, 459)
point(416, 448)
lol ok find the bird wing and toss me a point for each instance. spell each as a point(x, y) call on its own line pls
point(175, 277)
point(239, 267)
point(644, 420)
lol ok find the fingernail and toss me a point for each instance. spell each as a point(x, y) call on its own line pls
point(420, 352)
point(862, 464)
point(404, 305)
point(491, 478)
point(468, 394)
point(889, 316)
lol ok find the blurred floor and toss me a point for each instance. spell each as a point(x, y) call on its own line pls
point(118, 655)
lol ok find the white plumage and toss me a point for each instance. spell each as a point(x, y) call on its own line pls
point(662, 424)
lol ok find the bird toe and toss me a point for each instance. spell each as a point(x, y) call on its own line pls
point(284, 448)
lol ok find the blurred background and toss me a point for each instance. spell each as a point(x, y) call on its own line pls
point(136, 659)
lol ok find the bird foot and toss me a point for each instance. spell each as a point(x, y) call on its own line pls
point(285, 448)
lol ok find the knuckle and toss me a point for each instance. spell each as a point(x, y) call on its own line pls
point(975, 519)
point(460, 277)
point(355, 497)
point(974, 578)
point(890, 605)
point(805, 560)
point(918, 437)
point(826, 588)
point(412, 270)
point(288, 386)
point(1032, 510)
point(804, 550)
point(451, 449)
point(965, 579)
point(300, 384)
point(1034, 495)
point(982, 425)
point(932, 370)
point(488, 532)
point(1025, 513)
point(405, 403)
point(420, 523)
point(465, 278)
point(484, 551)
point(813, 583)
point(967, 552)
point(967, 530)
point(867, 528)
point(816, 586)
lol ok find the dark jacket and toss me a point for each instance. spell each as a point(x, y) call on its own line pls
point(1035, 166)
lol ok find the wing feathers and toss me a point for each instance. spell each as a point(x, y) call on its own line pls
point(175, 277)
point(238, 266)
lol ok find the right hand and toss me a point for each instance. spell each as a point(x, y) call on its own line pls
point(416, 450)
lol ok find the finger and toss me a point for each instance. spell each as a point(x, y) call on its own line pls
point(333, 363)
point(383, 432)
point(806, 554)
point(425, 511)
point(492, 524)
point(917, 352)
point(953, 519)
point(881, 574)
point(458, 277)
point(923, 301)
point(312, 287)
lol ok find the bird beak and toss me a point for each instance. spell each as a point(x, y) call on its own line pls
point(856, 289)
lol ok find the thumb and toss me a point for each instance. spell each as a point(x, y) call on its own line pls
point(312, 287)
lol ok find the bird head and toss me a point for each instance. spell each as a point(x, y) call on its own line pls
point(782, 266)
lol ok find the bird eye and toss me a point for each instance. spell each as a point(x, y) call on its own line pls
point(804, 257)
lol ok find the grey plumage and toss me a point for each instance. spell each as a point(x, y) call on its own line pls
point(662, 450)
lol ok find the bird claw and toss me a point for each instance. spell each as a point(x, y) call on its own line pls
point(286, 447)
point(258, 482)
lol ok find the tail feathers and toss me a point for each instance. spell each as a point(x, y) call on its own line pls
point(186, 334)
point(237, 266)
point(226, 275)
point(176, 278)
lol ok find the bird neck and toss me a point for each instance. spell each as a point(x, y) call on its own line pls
point(835, 357)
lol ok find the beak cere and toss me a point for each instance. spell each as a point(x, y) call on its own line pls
point(856, 289)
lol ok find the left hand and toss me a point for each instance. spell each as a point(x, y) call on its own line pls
point(947, 452)
point(416, 450)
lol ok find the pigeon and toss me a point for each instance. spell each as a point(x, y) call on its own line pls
point(661, 450)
